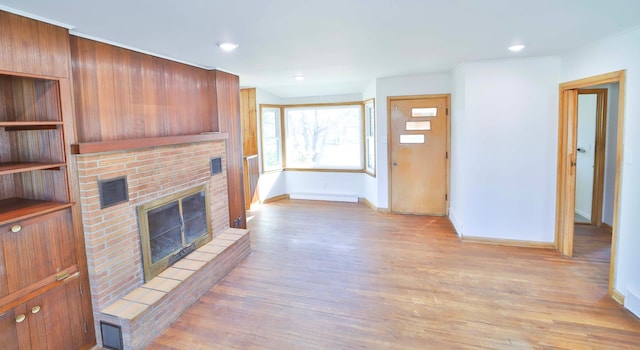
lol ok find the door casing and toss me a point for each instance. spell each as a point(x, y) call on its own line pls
point(390, 100)
point(565, 195)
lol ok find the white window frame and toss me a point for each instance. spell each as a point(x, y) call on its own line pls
point(369, 139)
point(278, 138)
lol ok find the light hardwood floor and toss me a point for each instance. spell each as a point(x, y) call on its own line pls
point(591, 243)
point(341, 276)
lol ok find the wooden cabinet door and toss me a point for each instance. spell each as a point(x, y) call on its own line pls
point(52, 321)
point(58, 323)
point(42, 247)
point(9, 331)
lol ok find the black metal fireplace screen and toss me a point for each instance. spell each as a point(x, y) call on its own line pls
point(172, 227)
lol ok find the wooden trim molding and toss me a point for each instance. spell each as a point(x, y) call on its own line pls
point(275, 199)
point(128, 144)
point(508, 242)
point(617, 296)
point(566, 125)
point(367, 203)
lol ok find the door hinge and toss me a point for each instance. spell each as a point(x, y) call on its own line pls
point(447, 110)
point(446, 155)
point(446, 197)
point(81, 292)
point(86, 330)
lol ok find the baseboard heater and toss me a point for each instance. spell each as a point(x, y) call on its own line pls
point(332, 197)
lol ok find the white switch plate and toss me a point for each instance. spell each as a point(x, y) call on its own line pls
point(628, 156)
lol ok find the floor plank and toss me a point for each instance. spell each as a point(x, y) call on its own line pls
point(591, 243)
point(341, 276)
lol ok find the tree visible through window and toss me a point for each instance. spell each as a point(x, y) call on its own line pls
point(370, 137)
point(271, 139)
point(322, 137)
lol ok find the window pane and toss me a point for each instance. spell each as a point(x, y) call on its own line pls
point(271, 153)
point(370, 153)
point(411, 138)
point(424, 112)
point(271, 140)
point(269, 124)
point(324, 137)
point(426, 125)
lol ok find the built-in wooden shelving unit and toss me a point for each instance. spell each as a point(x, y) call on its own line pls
point(30, 125)
point(17, 209)
point(32, 177)
point(14, 168)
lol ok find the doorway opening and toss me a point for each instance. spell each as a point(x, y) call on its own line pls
point(595, 172)
point(589, 171)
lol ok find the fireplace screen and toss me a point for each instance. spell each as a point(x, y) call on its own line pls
point(172, 227)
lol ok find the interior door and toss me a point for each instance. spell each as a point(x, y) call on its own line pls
point(567, 172)
point(419, 139)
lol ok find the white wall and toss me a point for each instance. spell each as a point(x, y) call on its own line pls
point(585, 158)
point(420, 84)
point(619, 52)
point(504, 149)
point(458, 164)
point(325, 183)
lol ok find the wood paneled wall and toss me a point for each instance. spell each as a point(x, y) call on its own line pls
point(123, 94)
point(251, 177)
point(33, 47)
point(228, 103)
point(249, 121)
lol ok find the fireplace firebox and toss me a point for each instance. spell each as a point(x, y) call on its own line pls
point(172, 227)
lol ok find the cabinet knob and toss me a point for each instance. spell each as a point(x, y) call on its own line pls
point(20, 318)
point(35, 309)
point(16, 228)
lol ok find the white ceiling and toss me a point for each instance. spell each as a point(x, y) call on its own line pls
point(338, 45)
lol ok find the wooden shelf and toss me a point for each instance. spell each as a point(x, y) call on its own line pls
point(35, 125)
point(128, 144)
point(15, 209)
point(13, 168)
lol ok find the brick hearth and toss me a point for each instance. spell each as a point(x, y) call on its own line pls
point(111, 235)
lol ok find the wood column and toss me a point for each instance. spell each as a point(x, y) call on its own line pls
point(227, 87)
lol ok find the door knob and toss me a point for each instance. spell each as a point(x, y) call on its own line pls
point(16, 228)
point(35, 309)
point(20, 318)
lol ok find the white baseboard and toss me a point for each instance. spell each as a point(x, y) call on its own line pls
point(632, 301)
point(583, 214)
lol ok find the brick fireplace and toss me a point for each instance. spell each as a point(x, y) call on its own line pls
point(112, 235)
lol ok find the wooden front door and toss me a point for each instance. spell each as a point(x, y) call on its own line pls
point(419, 141)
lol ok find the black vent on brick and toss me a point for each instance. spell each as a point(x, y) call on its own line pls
point(111, 336)
point(216, 165)
point(113, 191)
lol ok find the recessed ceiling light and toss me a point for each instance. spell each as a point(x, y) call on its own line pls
point(516, 48)
point(227, 46)
point(299, 77)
